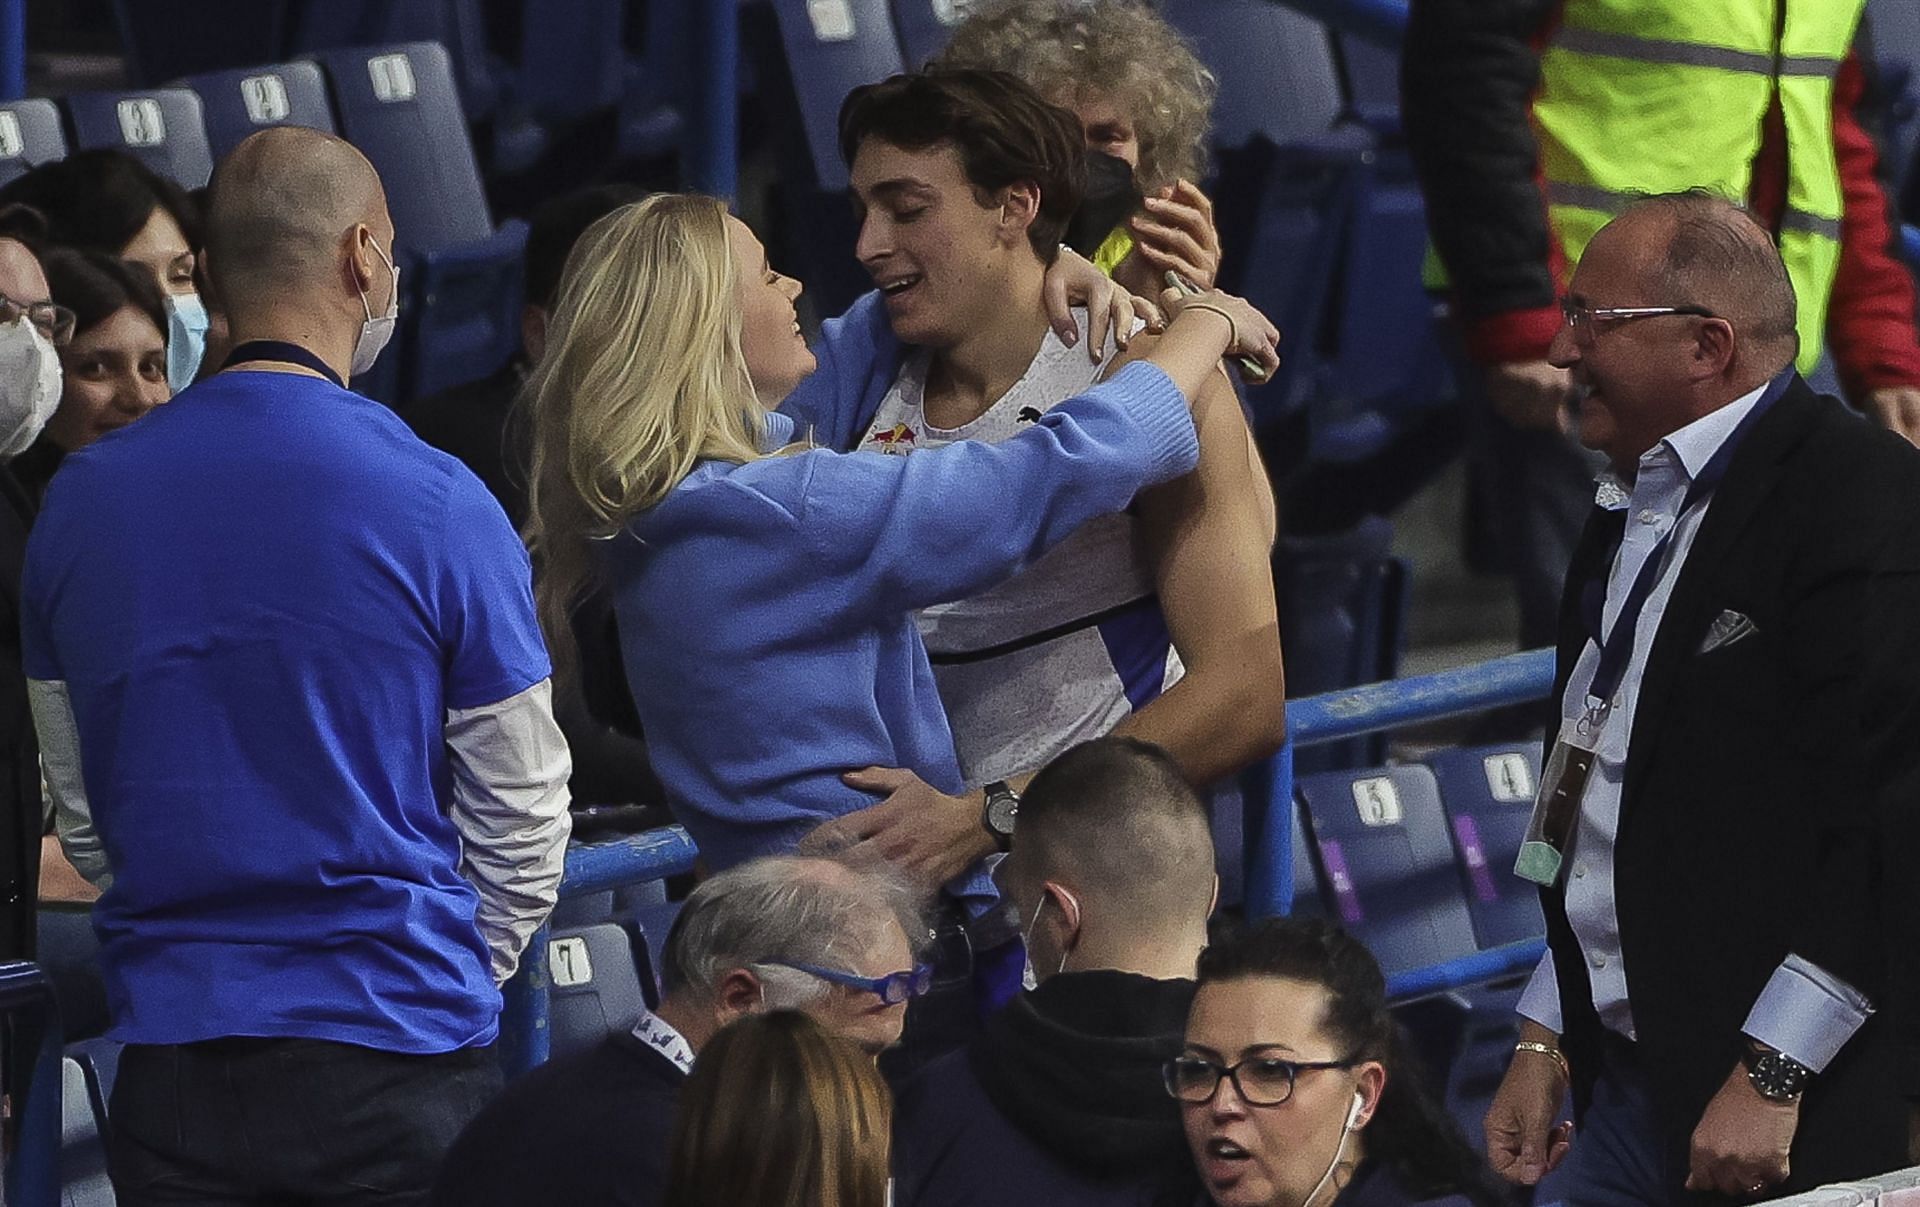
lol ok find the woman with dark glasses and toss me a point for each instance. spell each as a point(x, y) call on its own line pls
point(1296, 1087)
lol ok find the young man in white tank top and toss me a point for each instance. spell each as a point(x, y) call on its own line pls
point(1158, 623)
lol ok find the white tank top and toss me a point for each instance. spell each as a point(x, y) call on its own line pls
point(1063, 651)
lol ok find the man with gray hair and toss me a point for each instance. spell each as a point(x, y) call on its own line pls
point(785, 932)
point(293, 705)
point(1725, 833)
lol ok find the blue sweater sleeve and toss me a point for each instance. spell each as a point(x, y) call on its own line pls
point(943, 524)
point(857, 355)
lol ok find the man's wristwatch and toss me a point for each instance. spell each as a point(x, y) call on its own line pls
point(1776, 1076)
point(1002, 809)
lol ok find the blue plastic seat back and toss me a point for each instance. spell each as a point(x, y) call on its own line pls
point(1388, 860)
point(166, 39)
point(1275, 67)
point(1894, 29)
point(573, 57)
point(398, 105)
point(1372, 74)
point(163, 128)
point(830, 48)
point(238, 103)
point(652, 923)
point(457, 25)
point(30, 135)
point(100, 1060)
point(1488, 793)
point(926, 25)
point(83, 1150)
point(1342, 601)
point(597, 988)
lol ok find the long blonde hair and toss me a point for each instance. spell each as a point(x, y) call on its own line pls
point(779, 1113)
point(642, 379)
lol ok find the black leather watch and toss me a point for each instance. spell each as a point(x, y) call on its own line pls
point(1002, 809)
point(1776, 1076)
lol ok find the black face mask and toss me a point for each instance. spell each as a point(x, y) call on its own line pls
point(1112, 197)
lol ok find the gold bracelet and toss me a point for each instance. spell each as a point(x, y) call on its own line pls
point(1559, 1057)
point(1233, 327)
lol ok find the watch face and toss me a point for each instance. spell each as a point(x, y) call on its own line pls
point(1777, 1077)
point(1001, 812)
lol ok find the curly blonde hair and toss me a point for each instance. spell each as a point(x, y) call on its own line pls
point(1121, 49)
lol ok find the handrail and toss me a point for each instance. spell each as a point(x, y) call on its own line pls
point(1382, 22)
point(33, 1043)
point(713, 153)
point(1515, 679)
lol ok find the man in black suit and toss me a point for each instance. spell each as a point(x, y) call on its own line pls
point(1739, 673)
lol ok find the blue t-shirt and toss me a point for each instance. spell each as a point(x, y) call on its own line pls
point(263, 597)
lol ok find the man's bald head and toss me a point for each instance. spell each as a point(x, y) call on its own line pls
point(21, 278)
point(280, 209)
point(1707, 251)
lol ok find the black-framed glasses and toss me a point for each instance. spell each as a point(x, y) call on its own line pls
point(894, 988)
point(1258, 1080)
point(1582, 318)
point(54, 321)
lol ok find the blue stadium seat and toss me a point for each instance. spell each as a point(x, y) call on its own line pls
point(460, 316)
point(925, 25)
point(163, 128)
point(1372, 74)
point(1342, 602)
point(239, 102)
point(166, 39)
point(1229, 842)
point(100, 1061)
point(651, 923)
point(1894, 29)
point(831, 48)
point(1275, 66)
point(1488, 794)
point(1383, 844)
point(597, 986)
point(83, 1150)
point(575, 65)
point(30, 135)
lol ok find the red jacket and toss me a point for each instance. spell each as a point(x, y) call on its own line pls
point(1469, 75)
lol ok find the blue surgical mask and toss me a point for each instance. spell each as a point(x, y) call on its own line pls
point(186, 338)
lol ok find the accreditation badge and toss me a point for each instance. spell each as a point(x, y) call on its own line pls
point(1563, 783)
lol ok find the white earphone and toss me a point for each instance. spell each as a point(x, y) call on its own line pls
point(1353, 1112)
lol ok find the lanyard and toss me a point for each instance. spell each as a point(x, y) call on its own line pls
point(280, 350)
point(1616, 647)
point(662, 1038)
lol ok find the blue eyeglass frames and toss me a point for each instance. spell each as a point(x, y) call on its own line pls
point(894, 988)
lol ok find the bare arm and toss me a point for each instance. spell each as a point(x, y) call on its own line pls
point(1210, 536)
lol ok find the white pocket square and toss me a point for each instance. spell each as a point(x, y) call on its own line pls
point(1727, 628)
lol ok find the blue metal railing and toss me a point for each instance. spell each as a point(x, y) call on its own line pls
point(714, 156)
point(13, 49)
point(1517, 679)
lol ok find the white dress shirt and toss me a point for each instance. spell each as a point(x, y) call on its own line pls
point(1803, 1011)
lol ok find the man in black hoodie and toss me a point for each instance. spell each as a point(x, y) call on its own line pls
point(1059, 1101)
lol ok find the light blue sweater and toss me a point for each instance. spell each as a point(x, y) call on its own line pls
point(765, 610)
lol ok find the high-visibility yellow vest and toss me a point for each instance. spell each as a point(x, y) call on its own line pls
point(1656, 96)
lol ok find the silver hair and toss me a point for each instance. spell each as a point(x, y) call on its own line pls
point(806, 909)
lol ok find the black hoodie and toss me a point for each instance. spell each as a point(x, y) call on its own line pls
point(1058, 1102)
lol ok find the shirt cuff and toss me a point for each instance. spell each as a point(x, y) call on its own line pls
point(1807, 1013)
point(1540, 1000)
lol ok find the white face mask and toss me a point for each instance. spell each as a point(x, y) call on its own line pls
point(375, 332)
point(186, 339)
point(29, 385)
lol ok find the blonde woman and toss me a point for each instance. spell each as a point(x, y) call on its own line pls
point(1142, 96)
point(780, 1113)
point(764, 589)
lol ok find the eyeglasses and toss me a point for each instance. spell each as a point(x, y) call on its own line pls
point(1258, 1080)
point(894, 988)
point(1582, 318)
point(55, 322)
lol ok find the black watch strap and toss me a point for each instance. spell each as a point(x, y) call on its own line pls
point(1776, 1076)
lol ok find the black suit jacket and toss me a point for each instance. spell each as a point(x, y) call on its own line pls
point(1768, 781)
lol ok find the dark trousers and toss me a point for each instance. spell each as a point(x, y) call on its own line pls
point(287, 1122)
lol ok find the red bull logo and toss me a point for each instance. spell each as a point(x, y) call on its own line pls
point(897, 439)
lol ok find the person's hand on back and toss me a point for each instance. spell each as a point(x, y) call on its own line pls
point(929, 836)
